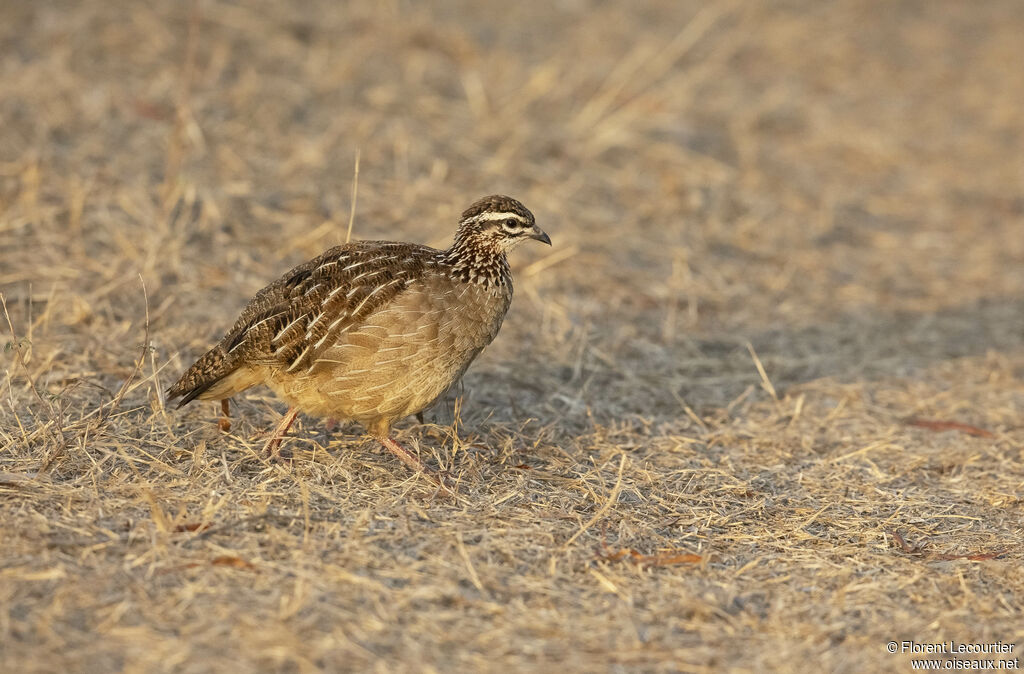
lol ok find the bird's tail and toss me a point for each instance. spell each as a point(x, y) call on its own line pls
point(213, 376)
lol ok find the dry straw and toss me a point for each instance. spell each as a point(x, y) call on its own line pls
point(759, 409)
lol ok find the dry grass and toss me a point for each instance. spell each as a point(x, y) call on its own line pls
point(758, 409)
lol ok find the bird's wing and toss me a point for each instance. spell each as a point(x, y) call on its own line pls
point(291, 321)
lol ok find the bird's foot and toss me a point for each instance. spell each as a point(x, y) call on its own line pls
point(281, 456)
point(441, 479)
point(407, 457)
point(272, 449)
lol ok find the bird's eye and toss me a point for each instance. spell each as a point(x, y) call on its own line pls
point(512, 225)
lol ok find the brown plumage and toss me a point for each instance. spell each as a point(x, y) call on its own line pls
point(371, 331)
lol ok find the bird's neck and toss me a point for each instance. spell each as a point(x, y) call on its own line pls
point(476, 259)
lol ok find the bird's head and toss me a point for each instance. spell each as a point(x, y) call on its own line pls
point(498, 223)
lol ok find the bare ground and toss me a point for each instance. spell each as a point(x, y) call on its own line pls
point(758, 409)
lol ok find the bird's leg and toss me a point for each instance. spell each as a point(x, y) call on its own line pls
point(274, 443)
point(331, 425)
point(407, 457)
point(225, 419)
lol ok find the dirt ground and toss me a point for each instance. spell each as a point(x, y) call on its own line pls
point(759, 408)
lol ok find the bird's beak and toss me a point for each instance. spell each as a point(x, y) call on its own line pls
point(539, 235)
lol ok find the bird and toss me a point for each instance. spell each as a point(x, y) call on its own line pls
point(371, 331)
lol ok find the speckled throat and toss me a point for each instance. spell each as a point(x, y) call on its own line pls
point(475, 259)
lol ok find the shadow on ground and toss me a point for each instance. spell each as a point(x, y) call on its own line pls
point(649, 380)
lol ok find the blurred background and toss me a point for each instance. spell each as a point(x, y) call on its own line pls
point(714, 168)
point(830, 191)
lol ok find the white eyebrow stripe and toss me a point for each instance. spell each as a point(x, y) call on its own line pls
point(486, 217)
